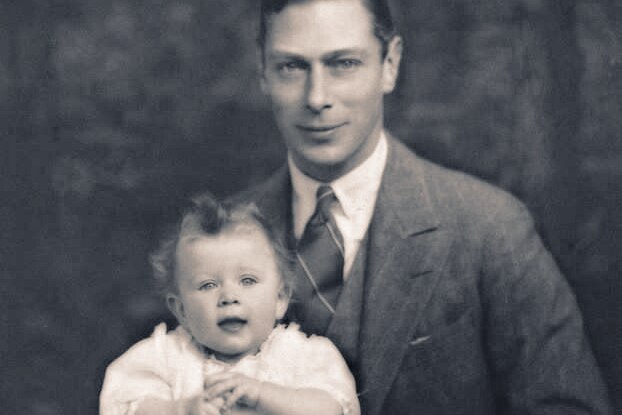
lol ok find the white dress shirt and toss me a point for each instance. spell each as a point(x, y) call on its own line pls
point(356, 192)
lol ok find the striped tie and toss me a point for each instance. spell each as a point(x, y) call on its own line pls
point(319, 265)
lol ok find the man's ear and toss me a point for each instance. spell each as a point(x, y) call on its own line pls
point(282, 302)
point(174, 304)
point(391, 64)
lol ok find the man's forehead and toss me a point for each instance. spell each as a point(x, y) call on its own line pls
point(320, 27)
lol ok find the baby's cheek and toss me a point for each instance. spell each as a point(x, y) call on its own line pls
point(198, 318)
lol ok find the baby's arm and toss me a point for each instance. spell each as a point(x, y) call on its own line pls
point(270, 398)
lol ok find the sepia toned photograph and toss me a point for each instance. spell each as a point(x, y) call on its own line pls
point(287, 207)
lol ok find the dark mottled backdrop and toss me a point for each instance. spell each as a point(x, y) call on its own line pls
point(113, 112)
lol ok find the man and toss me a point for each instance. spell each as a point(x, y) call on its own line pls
point(443, 299)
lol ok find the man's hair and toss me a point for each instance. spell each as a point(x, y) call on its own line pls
point(384, 26)
point(207, 216)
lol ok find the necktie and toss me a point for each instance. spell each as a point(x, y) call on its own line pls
point(319, 257)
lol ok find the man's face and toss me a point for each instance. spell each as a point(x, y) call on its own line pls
point(325, 75)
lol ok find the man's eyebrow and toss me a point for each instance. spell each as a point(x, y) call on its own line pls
point(326, 57)
point(341, 52)
point(285, 55)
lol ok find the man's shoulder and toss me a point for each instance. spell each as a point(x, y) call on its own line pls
point(268, 187)
point(452, 192)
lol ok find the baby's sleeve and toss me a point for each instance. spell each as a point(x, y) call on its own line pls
point(324, 368)
point(139, 373)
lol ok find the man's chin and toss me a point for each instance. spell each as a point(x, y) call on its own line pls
point(323, 167)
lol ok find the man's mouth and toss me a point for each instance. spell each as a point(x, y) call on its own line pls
point(232, 324)
point(319, 129)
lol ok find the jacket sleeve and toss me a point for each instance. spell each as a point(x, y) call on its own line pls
point(539, 354)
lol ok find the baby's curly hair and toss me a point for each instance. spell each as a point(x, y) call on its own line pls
point(208, 216)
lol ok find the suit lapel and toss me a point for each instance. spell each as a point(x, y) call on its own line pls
point(406, 250)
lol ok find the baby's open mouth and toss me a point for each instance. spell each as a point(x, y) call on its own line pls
point(232, 324)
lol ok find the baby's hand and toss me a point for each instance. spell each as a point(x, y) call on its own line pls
point(233, 388)
point(201, 405)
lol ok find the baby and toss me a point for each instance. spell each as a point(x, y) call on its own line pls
point(227, 283)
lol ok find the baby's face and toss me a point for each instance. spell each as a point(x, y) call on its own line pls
point(230, 290)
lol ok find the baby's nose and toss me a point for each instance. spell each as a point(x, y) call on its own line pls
point(227, 297)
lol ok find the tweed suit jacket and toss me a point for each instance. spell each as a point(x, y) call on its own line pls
point(464, 310)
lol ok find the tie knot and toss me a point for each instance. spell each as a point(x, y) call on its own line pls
point(325, 197)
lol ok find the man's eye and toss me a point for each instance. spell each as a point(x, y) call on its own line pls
point(248, 280)
point(288, 68)
point(208, 285)
point(346, 64)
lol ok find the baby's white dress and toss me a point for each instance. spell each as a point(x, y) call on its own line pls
point(170, 366)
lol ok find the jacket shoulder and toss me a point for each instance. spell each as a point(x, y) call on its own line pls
point(273, 184)
point(456, 193)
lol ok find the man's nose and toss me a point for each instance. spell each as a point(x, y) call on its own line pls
point(228, 296)
point(318, 92)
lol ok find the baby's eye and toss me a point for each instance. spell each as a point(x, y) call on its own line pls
point(248, 280)
point(207, 285)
